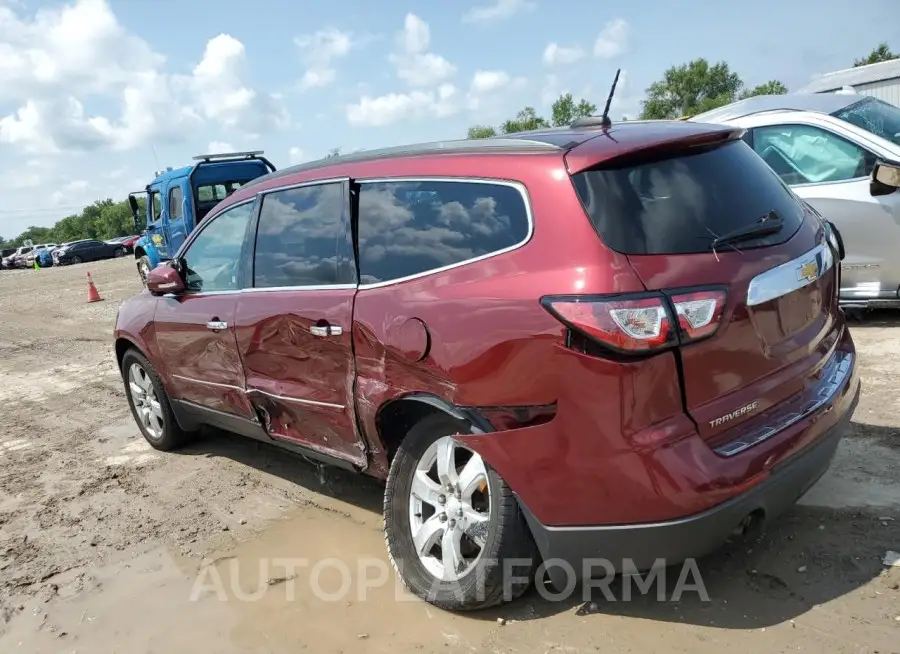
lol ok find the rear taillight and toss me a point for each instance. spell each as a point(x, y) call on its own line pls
point(641, 323)
point(699, 313)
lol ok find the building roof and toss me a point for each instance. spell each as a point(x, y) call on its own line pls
point(825, 103)
point(882, 71)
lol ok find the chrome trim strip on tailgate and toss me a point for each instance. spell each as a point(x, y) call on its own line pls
point(791, 276)
point(832, 377)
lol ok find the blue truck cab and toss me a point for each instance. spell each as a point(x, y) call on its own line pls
point(178, 200)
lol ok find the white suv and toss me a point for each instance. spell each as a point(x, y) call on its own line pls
point(826, 147)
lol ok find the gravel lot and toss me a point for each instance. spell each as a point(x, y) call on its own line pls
point(103, 540)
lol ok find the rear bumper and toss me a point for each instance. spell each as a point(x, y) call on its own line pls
point(568, 550)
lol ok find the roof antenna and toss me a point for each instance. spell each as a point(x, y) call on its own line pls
point(604, 119)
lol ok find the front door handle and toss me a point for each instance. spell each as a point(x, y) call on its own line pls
point(328, 330)
point(217, 325)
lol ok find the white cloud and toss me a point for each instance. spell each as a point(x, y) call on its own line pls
point(499, 10)
point(394, 107)
point(217, 82)
point(612, 40)
point(216, 147)
point(319, 52)
point(489, 90)
point(79, 46)
point(485, 81)
point(296, 156)
point(60, 60)
point(415, 65)
point(555, 54)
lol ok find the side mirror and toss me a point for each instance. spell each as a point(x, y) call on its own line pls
point(135, 211)
point(885, 178)
point(164, 279)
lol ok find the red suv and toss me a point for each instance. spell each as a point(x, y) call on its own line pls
point(598, 342)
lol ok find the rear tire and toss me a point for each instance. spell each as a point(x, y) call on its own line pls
point(150, 404)
point(480, 579)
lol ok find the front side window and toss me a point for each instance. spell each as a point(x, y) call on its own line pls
point(411, 227)
point(875, 116)
point(212, 260)
point(176, 197)
point(303, 238)
point(803, 154)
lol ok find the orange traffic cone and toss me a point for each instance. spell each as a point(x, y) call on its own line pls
point(93, 295)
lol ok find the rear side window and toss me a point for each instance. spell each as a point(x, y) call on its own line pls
point(408, 228)
point(678, 205)
point(304, 238)
point(176, 197)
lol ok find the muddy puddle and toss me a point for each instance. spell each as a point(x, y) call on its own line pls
point(316, 581)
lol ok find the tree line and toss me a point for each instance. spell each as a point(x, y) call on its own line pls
point(684, 90)
point(104, 219)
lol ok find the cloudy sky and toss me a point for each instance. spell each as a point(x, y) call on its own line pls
point(95, 94)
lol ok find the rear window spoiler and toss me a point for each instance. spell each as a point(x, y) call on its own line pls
point(620, 142)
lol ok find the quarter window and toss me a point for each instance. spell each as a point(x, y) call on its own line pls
point(212, 260)
point(412, 227)
point(176, 197)
point(304, 238)
point(803, 154)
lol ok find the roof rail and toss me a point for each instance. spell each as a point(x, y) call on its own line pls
point(229, 155)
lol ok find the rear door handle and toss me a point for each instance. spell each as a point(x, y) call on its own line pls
point(328, 330)
point(217, 325)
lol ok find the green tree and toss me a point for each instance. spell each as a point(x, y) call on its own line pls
point(526, 120)
point(881, 53)
point(565, 111)
point(481, 132)
point(772, 87)
point(691, 88)
point(333, 152)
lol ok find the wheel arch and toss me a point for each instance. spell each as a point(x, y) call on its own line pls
point(397, 416)
point(123, 345)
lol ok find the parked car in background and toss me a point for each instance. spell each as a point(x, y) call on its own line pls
point(5, 255)
point(841, 153)
point(128, 242)
point(645, 365)
point(86, 250)
point(36, 252)
point(45, 257)
point(17, 258)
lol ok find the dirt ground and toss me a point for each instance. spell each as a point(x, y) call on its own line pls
point(104, 542)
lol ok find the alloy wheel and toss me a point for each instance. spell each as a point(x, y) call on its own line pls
point(146, 404)
point(449, 509)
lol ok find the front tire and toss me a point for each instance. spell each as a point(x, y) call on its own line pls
point(143, 266)
point(150, 404)
point(119, 253)
point(452, 525)
point(76, 259)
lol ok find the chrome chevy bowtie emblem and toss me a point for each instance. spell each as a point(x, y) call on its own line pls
point(808, 271)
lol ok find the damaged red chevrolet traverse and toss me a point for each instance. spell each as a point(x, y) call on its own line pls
point(618, 342)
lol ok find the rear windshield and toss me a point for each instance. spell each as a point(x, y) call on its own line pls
point(678, 205)
point(217, 192)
